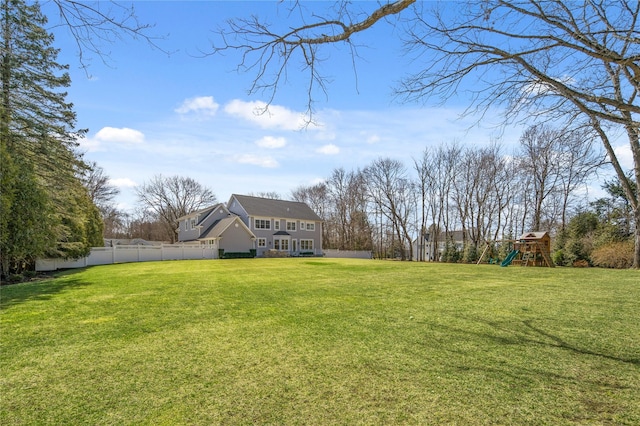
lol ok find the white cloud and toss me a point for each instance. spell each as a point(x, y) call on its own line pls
point(111, 135)
point(271, 142)
point(122, 183)
point(625, 156)
point(256, 160)
point(89, 144)
point(204, 106)
point(329, 149)
point(267, 117)
point(119, 135)
point(373, 139)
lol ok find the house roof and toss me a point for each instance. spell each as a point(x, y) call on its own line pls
point(267, 207)
point(533, 236)
point(202, 212)
point(219, 226)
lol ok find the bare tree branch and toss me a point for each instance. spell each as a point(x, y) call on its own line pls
point(95, 25)
point(268, 53)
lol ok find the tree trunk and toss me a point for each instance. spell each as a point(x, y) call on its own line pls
point(636, 254)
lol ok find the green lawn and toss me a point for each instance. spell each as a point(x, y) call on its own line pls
point(319, 342)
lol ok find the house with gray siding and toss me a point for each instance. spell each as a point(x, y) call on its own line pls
point(217, 228)
point(286, 227)
point(268, 226)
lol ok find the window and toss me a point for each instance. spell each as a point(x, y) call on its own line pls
point(311, 226)
point(302, 226)
point(276, 224)
point(291, 226)
point(192, 224)
point(306, 244)
point(262, 242)
point(281, 244)
point(262, 224)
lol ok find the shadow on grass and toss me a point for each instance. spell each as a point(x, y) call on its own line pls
point(560, 343)
point(14, 294)
point(514, 335)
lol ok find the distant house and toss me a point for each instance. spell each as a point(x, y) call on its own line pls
point(268, 226)
point(285, 227)
point(431, 247)
point(217, 228)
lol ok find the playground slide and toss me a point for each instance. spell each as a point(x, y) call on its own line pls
point(509, 258)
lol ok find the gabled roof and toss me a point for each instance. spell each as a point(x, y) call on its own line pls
point(202, 213)
point(533, 236)
point(267, 207)
point(219, 226)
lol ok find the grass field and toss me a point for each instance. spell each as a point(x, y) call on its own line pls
point(319, 342)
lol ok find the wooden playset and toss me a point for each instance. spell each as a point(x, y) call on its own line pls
point(530, 249)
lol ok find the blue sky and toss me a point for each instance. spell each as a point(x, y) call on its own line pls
point(149, 112)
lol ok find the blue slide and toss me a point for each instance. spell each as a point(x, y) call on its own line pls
point(509, 258)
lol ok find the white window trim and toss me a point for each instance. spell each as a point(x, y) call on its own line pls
point(278, 244)
point(294, 226)
point(264, 241)
point(311, 226)
point(266, 222)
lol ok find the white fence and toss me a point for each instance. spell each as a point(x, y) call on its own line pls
point(123, 254)
point(355, 254)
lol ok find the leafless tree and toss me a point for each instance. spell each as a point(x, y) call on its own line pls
point(555, 163)
point(541, 166)
point(488, 180)
point(101, 191)
point(169, 198)
point(424, 186)
point(348, 221)
point(436, 172)
point(273, 195)
point(549, 59)
point(391, 191)
point(317, 197)
point(508, 194)
point(580, 157)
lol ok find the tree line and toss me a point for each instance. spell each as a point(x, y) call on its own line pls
point(483, 192)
